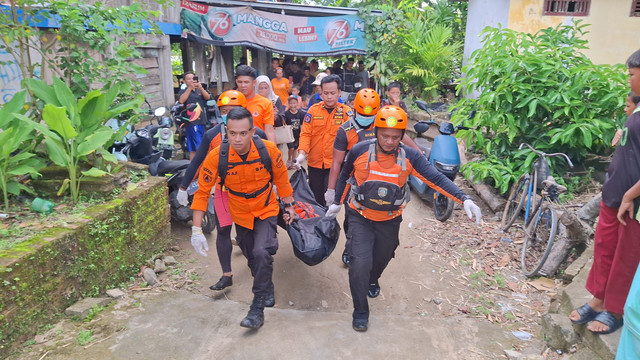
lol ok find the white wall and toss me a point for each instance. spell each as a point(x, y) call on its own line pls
point(483, 13)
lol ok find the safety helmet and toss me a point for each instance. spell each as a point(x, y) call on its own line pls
point(367, 102)
point(391, 117)
point(232, 98)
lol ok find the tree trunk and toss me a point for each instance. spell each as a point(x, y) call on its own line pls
point(571, 231)
point(486, 193)
point(591, 209)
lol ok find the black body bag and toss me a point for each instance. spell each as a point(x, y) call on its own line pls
point(313, 235)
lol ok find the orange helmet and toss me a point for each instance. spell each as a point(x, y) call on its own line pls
point(391, 117)
point(367, 102)
point(233, 98)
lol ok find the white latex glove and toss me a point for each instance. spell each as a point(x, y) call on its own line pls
point(299, 161)
point(198, 241)
point(329, 196)
point(182, 197)
point(333, 210)
point(472, 209)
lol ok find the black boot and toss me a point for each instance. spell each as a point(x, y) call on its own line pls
point(346, 259)
point(374, 289)
point(255, 317)
point(270, 300)
point(360, 324)
point(224, 282)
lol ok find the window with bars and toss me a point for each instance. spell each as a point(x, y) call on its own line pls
point(567, 7)
point(635, 8)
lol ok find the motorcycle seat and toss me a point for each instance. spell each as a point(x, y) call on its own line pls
point(171, 166)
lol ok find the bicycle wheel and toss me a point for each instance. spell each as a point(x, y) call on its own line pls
point(539, 238)
point(515, 202)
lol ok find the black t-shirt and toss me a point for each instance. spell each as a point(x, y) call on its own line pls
point(297, 77)
point(624, 170)
point(295, 120)
point(347, 80)
point(306, 88)
point(196, 97)
point(401, 104)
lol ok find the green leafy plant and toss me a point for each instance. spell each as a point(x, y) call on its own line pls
point(431, 56)
point(84, 337)
point(538, 89)
point(75, 127)
point(16, 150)
point(93, 46)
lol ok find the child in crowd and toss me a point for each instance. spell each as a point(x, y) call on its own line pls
point(305, 101)
point(294, 117)
point(616, 251)
point(629, 105)
point(295, 90)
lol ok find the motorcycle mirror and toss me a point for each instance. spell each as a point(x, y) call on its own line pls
point(472, 114)
point(421, 127)
point(160, 111)
point(422, 105)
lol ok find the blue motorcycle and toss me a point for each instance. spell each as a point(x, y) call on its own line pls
point(443, 154)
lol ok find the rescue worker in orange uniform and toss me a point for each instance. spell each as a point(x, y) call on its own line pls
point(212, 139)
point(252, 168)
point(360, 128)
point(318, 133)
point(259, 106)
point(377, 171)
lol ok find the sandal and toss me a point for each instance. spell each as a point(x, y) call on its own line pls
point(608, 319)
point(586, 314)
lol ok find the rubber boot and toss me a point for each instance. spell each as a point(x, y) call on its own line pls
point(255, 317)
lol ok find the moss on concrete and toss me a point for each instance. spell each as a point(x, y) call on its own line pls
point(42, 276)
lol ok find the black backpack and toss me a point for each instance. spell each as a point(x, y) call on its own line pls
point(265, 159)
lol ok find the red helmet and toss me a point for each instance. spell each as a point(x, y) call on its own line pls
point(391, 117)
point(367, 102)
point(232, 98)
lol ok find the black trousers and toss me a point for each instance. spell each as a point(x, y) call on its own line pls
point(224, 247)
point(258, 246)
point(318, 182)
point(372, 246)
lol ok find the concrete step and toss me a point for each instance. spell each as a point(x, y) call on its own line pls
point(573, 296)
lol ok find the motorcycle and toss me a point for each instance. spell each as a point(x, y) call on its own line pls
point(179, 112)
point(443, 154)
point(140, 149)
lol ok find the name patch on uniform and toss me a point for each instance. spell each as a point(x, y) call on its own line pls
point(207, 171)
point(318, 117)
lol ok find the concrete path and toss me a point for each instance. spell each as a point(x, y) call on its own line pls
point(181, 325)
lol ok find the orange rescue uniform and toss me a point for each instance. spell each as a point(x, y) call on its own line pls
point(245, 178)
point(281, 88)
point(261, 110)
point(318, 133)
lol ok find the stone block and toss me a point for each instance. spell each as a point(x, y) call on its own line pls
point(82, 307)
point(580, 263)
point(115, 293)
point(558, 331)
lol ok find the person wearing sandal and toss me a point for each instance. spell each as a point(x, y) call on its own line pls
point(616, 251)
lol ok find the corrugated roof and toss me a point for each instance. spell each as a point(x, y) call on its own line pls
point(288, 8)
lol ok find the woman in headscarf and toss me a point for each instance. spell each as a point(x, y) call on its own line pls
point(264, 88)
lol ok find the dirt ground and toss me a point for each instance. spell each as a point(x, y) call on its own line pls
point(455, 270)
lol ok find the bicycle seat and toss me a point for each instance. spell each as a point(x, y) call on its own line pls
point(550, 182)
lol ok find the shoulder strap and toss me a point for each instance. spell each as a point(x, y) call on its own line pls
point(371, 153)
point(401, 159)
point(265, 158)
point(223, 159)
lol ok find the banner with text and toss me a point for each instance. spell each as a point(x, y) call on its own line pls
point(285, 34)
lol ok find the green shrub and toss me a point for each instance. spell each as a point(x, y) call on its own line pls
point(538, 89)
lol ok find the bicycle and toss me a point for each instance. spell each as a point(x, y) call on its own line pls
point(539, 234)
